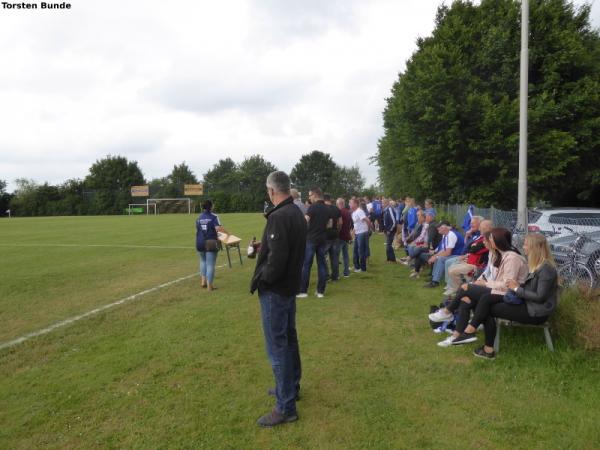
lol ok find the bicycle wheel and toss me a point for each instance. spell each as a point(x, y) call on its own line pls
point(576, 275)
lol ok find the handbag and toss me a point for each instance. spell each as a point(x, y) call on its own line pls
point(512, 298)
point(211, 245)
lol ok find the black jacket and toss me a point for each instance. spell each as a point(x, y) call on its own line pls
point(279, 263)
point(540, 291)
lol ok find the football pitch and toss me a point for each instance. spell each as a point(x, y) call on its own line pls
point(169, 365)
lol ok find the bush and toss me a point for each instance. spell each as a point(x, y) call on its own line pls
point(577, 318)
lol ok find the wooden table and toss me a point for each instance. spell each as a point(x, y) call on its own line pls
point(231, 241)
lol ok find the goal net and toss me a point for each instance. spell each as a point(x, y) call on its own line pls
point(170, 205)
point(141, 208)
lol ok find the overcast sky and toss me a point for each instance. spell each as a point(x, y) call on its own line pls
point(162, 82)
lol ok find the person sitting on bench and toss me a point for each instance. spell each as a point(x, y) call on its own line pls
point(531, 302)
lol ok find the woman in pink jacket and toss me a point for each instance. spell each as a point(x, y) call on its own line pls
point(509, 264)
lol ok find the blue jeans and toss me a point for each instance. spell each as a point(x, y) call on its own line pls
point(320, 250)
point(343, 247)
point(278, 315)
point(208, 260)
point(361, 246)
point(389, 249)
point(334, 258)
point(437, 273)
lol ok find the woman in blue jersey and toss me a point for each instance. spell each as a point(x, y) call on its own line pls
point(207, 242)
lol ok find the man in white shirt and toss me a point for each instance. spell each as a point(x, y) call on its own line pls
point(361, 236)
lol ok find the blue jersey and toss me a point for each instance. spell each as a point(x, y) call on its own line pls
point(206, 228)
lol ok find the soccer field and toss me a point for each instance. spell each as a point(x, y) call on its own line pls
point(178, 367)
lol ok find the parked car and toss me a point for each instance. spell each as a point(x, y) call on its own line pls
point(552, 222)
point(588, 250)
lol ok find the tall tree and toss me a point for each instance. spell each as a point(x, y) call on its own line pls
point(253, 172)
point(451, 124)
point(4, 198)
point(315, 169)
point(223, 176)
point(111, 179)
point(347, 181)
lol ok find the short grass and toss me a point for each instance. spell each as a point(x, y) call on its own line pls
point(183, 368)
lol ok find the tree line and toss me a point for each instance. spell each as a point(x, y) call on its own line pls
point(452, 120)
point(233, 187)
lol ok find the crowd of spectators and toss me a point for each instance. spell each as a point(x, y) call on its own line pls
point(483, 275)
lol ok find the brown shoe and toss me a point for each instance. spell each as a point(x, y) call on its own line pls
point(275, 418)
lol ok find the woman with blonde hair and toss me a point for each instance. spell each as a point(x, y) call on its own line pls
point(530, 302)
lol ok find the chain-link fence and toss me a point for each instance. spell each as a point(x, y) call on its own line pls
point(573, 233)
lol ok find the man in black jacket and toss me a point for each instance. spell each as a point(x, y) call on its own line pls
point(277, 278)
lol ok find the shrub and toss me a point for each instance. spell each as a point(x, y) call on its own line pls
point(577, 318)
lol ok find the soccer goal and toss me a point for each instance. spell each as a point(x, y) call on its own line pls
point(170, 205)
point(141, 208)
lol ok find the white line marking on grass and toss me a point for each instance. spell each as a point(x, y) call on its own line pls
point(95, 311)
point(189, 247)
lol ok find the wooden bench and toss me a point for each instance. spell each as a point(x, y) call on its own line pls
point(509, 323)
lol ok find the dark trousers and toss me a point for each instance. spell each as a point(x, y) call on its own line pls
point(474, 292)
point(491, 307)
point(421, 260)
point(334, 258)
point(278, 315)
point(389, 249)
point(320, 250)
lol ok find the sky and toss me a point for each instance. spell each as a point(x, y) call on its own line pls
point(162, 82)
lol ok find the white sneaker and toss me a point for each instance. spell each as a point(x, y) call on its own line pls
point(446, 342)
point(414, 274)
point(302, 295)
point(441, 316)
point(319, 295)
point(357, 271)
point(438, 330)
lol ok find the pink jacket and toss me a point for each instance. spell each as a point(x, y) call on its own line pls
point(512, 267)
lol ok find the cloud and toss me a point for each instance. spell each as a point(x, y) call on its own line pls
point(164, 82)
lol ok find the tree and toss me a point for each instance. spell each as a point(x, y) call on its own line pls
point(222, 177)
point(315, 169)
point(5, 198)
point(451, 123)
point(253, 172)
point(347, 181)
point(111, 178)
point(172, 186)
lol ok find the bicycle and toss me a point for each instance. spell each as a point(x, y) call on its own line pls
point(573, 272)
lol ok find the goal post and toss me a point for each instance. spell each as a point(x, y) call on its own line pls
point(166, 205)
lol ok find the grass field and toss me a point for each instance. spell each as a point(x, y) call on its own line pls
point(182, 368)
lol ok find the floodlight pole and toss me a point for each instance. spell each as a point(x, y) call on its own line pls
point(522, 184)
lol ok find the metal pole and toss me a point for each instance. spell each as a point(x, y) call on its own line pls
point(522, 186)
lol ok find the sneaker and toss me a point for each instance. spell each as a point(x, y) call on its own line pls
point(357, 271)
point(347, 276)
point(464, 338)
point(414, 275)
point(446, 342)
point(481, 353)
point(441, 316)
point(275, 418)
point(432, 284)
point(319, 295)
point(302, 295)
